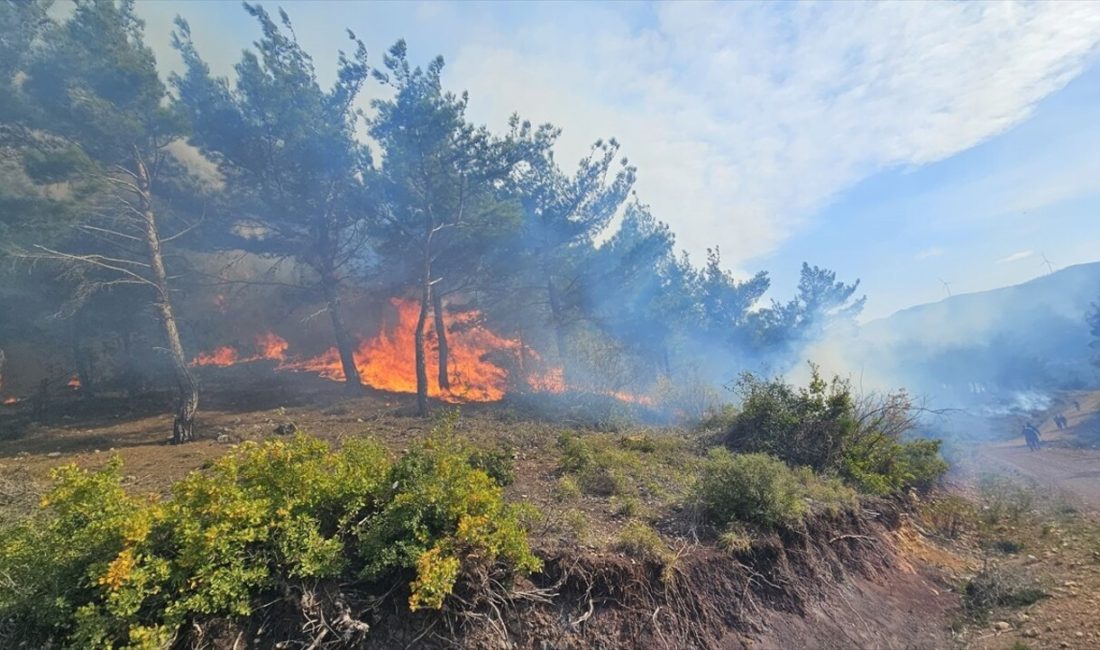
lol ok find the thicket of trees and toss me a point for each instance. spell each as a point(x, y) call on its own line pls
point(115, 181)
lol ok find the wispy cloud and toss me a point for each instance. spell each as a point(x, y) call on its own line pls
point(934, 251)
point(1016, 257)
point(745, 119)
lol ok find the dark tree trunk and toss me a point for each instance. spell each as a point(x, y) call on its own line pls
point(80, 357)
point(183, 427)
point(421, 361)
point(441, 339)
point(352, 380)
point(561, 336)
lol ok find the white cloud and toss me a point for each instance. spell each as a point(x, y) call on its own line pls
point(1016, 257)
point(928, 253)
point(745, 119)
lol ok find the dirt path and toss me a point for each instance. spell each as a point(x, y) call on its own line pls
point(1075, 471)
point(1068, 461)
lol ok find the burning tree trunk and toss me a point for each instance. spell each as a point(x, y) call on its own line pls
point(441, 339)
point(187, 390)
point(353, 381)
point(557, 315)
point(421, 361)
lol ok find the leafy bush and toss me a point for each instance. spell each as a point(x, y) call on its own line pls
point(653, 466)
point(752, 488)
point(823, 426)
point(640, 541)
point(497, 463)
point(735, 539)
point(97, 568)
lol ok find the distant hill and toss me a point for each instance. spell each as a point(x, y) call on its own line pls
point(1027, 337)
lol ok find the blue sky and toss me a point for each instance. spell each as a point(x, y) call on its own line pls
point(899, 143)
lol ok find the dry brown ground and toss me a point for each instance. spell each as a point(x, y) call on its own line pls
point(1060, 538)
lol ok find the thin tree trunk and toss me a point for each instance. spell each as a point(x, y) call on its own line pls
point(559, 329)
point(183, 427)
point(352, 380)
point(441, 339)
point(421, 365)
point(80, 357)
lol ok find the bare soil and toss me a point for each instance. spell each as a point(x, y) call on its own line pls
point(1060, 540)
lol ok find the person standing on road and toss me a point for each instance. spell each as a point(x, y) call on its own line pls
point(1031, 437)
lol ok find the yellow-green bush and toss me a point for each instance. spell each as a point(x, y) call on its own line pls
point(752, 488)
point(95, 568)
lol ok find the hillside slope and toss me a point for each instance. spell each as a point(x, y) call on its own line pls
point(1027, 337)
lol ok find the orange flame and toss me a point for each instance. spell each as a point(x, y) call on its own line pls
point(271, 346)
point(477, 367)
point(8, 401)
point(387, 361)
point(73, 383)
point(223, 356)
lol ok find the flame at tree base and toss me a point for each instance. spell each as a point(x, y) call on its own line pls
point(388, 362)
point(477, 369)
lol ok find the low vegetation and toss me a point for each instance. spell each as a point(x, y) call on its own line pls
point(824, 426)
point(96, 567)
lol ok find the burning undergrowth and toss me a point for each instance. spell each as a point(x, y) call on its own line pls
point(481, 365)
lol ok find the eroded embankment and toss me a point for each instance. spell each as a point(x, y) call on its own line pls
point(840, 582)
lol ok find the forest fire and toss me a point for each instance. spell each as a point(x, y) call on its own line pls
point(224, 356)
point(73, 383)
point(8, 401)
point(387, 362)
point(478, 359)
point(269, 345)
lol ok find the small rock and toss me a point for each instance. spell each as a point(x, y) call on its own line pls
point(286, 429)
point(53, 454)
point(1031, 633)
point(223, 439)
point(1001, 626)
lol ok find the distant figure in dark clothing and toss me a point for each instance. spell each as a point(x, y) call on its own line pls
point(1077, 405)
point(1031, 437)
point(1060, 420)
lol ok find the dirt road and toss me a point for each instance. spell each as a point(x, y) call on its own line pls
point(1075, 471)
point(1066, 462)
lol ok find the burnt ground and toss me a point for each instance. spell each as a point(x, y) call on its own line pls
point(865, 583)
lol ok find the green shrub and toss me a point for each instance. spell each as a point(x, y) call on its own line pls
point(736, 538)
point(823, 426)
point(96, 568)
point(640, 541)
point(752, 488)
point(497, 463)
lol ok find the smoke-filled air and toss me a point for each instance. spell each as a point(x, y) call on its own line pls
point(549, 325)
